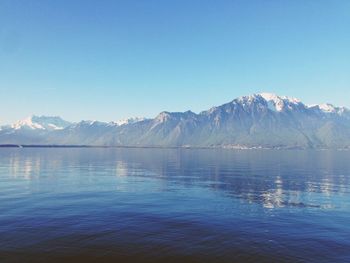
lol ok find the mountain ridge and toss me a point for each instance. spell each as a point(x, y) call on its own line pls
point(262, 120)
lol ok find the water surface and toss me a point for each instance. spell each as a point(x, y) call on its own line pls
point(174, 205)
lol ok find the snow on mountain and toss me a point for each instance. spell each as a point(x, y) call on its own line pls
point(328, 108)
point(325, 108)
point(163, 117)
point(283, 103)
point(279, 103)
point(128, 121)
point(276, 98)
point(89, 124)
point(41, 123)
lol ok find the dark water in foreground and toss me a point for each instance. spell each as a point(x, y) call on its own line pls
point(170, 205)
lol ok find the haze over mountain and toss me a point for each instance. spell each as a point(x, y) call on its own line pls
point(260, 120)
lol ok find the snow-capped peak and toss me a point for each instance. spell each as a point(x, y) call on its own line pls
point(330, 108)
point(325, 107)
point(274, 97)
point(278, 103)
point(41, 123)
point(27, 123)
point(129, 121)
point(269, 96)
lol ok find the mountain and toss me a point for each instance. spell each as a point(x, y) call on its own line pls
point(41, 123)
point(260, 120)
point(31, 130)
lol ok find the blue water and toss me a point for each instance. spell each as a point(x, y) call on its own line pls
point(174, 205)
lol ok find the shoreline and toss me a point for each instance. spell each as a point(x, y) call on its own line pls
point(167, 147)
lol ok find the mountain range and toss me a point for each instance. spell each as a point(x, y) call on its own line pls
point(256, 121)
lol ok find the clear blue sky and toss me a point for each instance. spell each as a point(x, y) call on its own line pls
point(108, 60)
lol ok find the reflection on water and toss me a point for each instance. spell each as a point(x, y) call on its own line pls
point(174, 205)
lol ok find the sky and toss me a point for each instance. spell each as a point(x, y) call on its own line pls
point(109, 60)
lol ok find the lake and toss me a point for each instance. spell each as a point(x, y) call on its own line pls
point(174, 205)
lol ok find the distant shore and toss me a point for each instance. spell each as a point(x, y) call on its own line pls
point(227, 147)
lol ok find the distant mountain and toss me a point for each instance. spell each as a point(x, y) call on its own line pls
point(260, 120)
point(41, 123)
point(31, 130)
